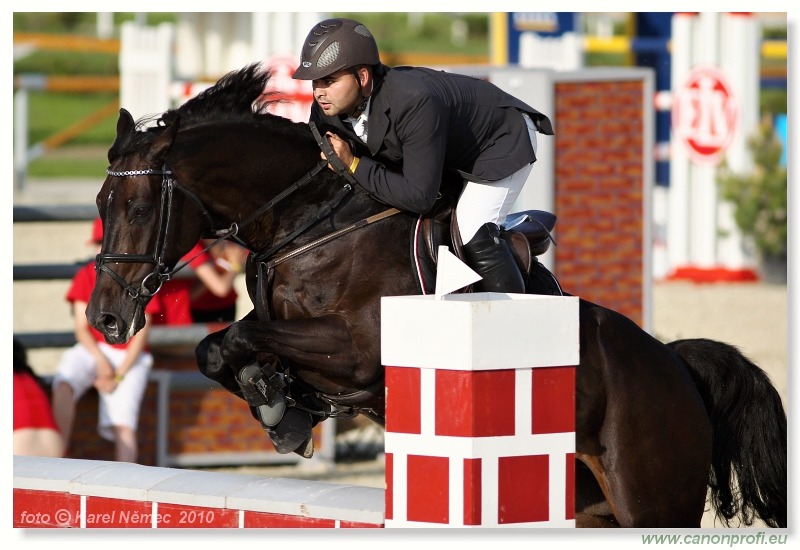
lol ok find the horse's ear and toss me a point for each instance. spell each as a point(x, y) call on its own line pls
point(125, 123)
point(163, 142)
point(125, 127)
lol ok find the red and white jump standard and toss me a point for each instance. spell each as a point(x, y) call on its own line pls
point(480, 419)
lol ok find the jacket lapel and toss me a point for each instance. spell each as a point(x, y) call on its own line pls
point(377, 123)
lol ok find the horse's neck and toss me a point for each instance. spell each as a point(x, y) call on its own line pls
point(322, 205)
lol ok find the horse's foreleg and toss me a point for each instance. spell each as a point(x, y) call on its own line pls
point(212, 365)
point(322, 345)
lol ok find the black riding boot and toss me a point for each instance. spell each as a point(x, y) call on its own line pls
point(490, 257)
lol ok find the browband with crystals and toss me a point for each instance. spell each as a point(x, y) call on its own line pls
point(148, 172)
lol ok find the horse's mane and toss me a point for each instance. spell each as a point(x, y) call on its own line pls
point(232, 99)
point(232, 96)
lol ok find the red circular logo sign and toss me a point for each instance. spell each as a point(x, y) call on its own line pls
point(705, 114)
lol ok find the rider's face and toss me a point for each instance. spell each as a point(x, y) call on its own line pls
point(338, 94)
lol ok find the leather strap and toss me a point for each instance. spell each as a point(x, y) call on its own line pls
point(330, 154)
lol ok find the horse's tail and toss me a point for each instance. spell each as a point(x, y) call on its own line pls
point(749, 430)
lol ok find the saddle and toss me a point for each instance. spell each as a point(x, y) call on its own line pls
point(530, 236)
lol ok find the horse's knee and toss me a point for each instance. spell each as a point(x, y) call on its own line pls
point(211, 362)
point(209, 356)
point(236, 347)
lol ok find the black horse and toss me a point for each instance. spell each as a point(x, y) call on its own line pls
point(656, 424)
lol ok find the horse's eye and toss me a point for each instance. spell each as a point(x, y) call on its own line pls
point(141, 211)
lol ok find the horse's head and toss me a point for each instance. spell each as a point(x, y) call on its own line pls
point(142, 209)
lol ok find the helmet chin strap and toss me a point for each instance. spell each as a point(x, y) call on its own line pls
point(363, 105)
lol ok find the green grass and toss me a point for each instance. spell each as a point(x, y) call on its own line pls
point(66, 167)
point(431, 33)
point(70, 22)
point(53, 112)
point(68, 63)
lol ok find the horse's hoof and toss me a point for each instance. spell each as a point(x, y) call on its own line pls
point(292, 433)
point(306, 450)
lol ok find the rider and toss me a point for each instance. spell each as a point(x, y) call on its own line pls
point(402, 128)
point(439, 122)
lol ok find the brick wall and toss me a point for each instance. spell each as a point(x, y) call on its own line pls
point(599, 192)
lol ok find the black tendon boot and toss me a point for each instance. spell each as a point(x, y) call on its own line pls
point(490, 257)
point(264, 390)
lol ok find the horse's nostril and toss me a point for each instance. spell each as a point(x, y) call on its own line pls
point(108, 321)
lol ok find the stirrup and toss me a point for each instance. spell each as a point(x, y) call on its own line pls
point(263, 392)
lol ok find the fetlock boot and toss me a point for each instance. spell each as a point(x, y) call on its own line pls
point(490, 257)
point(263, 388)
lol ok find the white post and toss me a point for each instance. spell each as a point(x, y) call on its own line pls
point(703, 203)
point(678, 222)
point(740, 61)
point(480, 410)
point(213, 43)
point(105, 24)
point(145, 68)
point(239, 47)
point(189, 51)
point(21, 136)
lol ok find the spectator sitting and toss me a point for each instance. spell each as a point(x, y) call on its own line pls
point(119, 372)
point(208, 306)
point(176, 294)
point(35, 430)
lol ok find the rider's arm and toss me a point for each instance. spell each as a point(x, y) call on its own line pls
point(422, 131)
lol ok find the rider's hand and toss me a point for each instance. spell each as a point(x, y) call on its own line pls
point(341, 148)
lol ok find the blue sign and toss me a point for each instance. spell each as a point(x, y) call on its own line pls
point(544, 23)
point(781, 131)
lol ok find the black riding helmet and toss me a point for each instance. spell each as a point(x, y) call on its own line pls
point(333, 45)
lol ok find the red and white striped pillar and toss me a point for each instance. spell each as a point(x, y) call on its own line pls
point(480, 419)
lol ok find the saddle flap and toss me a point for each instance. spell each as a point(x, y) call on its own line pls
point(536, 227)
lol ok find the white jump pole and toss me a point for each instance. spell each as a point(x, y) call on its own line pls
point(63, 492)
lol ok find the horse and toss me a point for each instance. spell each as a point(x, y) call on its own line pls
point(657, 425)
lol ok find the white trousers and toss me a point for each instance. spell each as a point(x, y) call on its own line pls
point(481, 203)
point(118, 408)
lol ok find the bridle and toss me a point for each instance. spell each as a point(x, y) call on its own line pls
point(161, 272)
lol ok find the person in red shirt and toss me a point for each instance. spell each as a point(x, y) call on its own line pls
point(119, 372)
point(176, 294)
point(35, 430)
point(208, 306)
